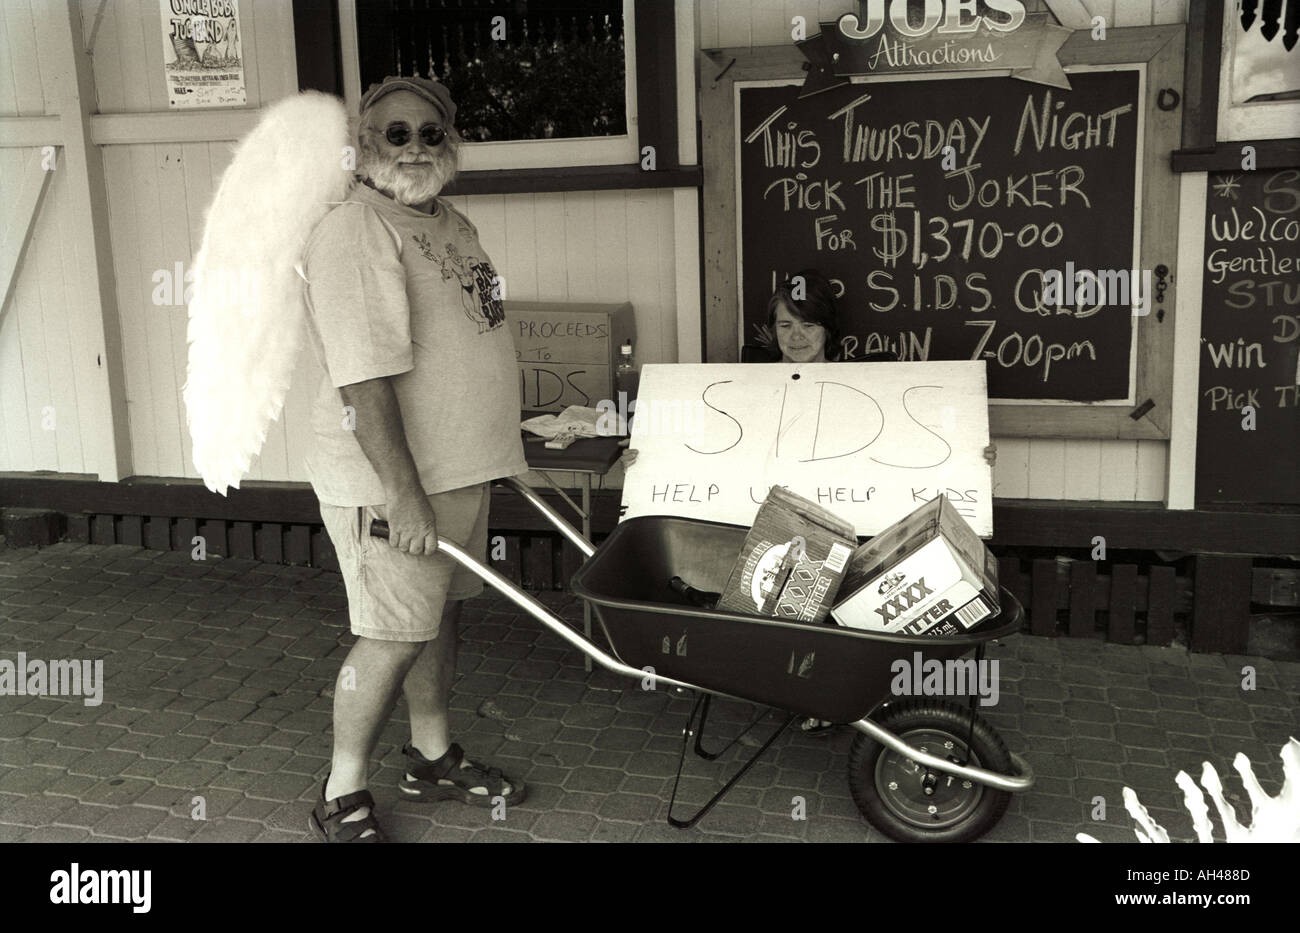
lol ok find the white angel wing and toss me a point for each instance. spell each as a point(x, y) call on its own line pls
point(248, 308)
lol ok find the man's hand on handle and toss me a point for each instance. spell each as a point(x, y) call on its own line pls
point(412, 526)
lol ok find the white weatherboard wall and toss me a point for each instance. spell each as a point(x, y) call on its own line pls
point(578, 246)
point(1026, 468)
point(42, 356)
point(46, 375)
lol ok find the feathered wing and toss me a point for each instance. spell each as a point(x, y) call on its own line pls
point(248, 310)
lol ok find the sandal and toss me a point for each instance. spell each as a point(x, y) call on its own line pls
point(453, 777)
point(327, 818)
point(814, 726)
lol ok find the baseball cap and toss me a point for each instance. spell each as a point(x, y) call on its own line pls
point(432, 91)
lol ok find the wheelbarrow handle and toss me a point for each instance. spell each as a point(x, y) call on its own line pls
point(379, 527)
point(504, 586)
point(572, 534)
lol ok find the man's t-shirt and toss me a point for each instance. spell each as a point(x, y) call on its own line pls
point(396, 292)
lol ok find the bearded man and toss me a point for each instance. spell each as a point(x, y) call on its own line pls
point(417, 410)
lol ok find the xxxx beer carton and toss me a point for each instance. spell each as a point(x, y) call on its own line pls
point(926, 574)
point(792, 560)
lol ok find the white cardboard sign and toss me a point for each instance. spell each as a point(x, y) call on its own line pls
point(869, 441)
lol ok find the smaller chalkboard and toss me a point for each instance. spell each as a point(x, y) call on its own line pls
point(1248, 424)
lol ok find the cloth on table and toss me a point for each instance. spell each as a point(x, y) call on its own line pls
point(576, 420)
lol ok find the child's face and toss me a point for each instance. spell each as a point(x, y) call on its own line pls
point(800, 341)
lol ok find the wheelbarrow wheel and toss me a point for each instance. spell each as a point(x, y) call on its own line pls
point(912, 803)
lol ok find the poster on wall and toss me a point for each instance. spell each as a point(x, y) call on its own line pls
point(202, 57)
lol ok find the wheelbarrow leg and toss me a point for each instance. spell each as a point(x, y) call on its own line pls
point(699, 732)
point(701, 707)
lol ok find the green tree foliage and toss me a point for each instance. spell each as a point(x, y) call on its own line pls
point(542, 89)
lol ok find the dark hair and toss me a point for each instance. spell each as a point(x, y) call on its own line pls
point(816, 307)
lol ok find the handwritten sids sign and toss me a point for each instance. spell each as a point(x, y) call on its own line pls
point(870, 441)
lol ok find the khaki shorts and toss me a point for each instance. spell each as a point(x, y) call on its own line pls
point(395, 596)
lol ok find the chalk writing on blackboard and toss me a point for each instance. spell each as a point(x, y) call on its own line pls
point(969, 225)
point(1248, 429)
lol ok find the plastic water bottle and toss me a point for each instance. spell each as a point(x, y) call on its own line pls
point(626, 382)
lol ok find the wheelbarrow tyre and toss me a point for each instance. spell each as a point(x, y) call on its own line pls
point(900, 811)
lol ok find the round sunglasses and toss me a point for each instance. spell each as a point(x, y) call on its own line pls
point(399, 134)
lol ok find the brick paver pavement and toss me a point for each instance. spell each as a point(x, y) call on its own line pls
point(218, 680)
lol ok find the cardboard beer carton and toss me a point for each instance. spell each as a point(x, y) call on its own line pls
point(926, 574)
point(963, 618)
point(792, 560)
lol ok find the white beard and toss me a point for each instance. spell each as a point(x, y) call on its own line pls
point(409, 185)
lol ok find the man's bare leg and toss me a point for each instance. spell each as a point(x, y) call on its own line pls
point(427, 687)
point(428, 691)
point(362, 707)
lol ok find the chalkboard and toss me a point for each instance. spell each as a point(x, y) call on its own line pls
point(869, 441)
point(947, 262)
point(1248, 412)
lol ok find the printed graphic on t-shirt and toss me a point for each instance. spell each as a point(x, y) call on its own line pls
point(477, 282)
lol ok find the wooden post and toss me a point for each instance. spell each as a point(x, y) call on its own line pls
point(323, 555)
point(297, 545)
point(537, 558)
point(183, 533)
point(79, 528)
point(512, 566)
point(157, 533)
point(1083, 611)
point(269, 543)
point(1123, 600)
point(241, 540)
point(1180, 470)
point(1221, 608)
point(1042, 615)
point(1160, 605)
point(213, 533)
point(130, 530)
point(91, 292)
point(102, 530)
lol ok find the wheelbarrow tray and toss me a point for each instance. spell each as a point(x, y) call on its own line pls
point(819, 670)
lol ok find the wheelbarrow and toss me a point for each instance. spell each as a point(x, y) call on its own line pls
point(920, 769)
